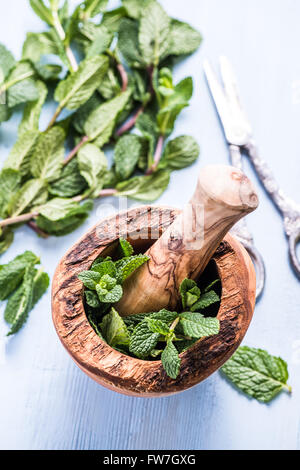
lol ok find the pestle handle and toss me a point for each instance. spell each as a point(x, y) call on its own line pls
point(223, 196)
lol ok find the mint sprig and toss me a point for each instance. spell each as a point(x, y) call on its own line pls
point(121, 83)
point(22, 285)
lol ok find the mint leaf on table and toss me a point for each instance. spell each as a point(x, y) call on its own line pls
point(70, 183)
point(42, 11)
point(128, 42)
point(171, 360)
point(47, 159)
point(9, 184)
point(72, 215)
point(154, 33)
point(23, 84)
point(180, 153)
point(195, 325)
point(143, 340)
point(145, 188)
point(257, 373)
point(75, 90)
point(92, 164)
point(12, 273)
point(32, 110)
point(135, 8)
point(20, 155)
point(7, 62)
point(184, 39)
point(6, 239)
point(22, 301)
point(100, 124)
point(128, 151)
point(41, 283)
point(114, 329)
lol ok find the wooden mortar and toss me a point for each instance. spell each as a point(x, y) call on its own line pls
point(132, 376)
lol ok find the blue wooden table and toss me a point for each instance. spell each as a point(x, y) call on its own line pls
point(46, 402)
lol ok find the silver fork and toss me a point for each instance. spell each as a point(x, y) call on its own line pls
point(238, 133)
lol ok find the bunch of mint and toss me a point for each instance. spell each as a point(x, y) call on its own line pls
point(22, 285)
point(122, 81)
point(162, 334)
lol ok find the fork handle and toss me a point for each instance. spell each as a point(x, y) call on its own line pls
point(264, 173)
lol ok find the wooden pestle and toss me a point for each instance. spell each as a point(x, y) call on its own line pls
point(223, 196)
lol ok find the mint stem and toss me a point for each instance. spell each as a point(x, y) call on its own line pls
point(54, 118)
point(18, 219)
point(76, 149)
point(62, 36)
point(31, 224)
point(157, 155)
point(123, 75)
point(128, 125)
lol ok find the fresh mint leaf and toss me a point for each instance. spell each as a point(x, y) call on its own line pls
point(143, 340)
point(154, 33)
point(111, 19)
point(206, 300)
point(33, 192)
point(41, 283)
point(257, 373)
point(12, 273)
point(184, 39)
point(32, 110)
point(92, 299)
point(48, 155)
point(101, 122)
point(20, 154)
point(189, 292)
point(164, 315)
point(9, 184)
point(172, 99)
point(100, 43)
point(92, 165)
point(134, 8)
point(128, 42)
point(108, 293)
point(128, 151)
point(171, 360)
point(23, 302)
point(114, 329)
point(180, 153)
point(126, 248)
point(42, 11)
point(145, 188)
point(158, 326)
point(131, 264)
point(6, 239)
point(110, 87)
point(196, 325)
point(75, 90)
point(75, 217)
point(105, 267)
point(92, 8)
point(70, 183)
point(89, 279)
point(22, 85)
point(7, 62)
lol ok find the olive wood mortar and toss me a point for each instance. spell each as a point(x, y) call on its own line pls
point(123, 373)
